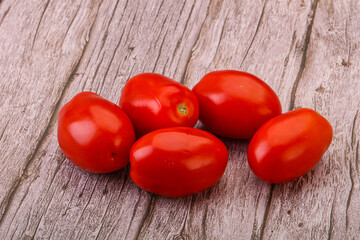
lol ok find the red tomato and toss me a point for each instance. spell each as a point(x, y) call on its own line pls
point(153, 101)
point(95, 134)
point(178, 161)
point(235, 104)
point(289, 145)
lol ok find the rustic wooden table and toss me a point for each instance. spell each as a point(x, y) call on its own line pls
point(307, 51)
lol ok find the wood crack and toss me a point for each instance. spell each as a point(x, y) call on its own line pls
point(66, 185)
point(5, 13)
point(42, 215)
point(187, 20)
point(105, 212)
point(52, 231)
point(116, 48)
point(23, 235)
point(88, 40)
point(5, 127)
point(160, 51)
point(331, 219)
point(97, 68)
point(203, 223)
point(131, 25)
point(182, 36)
point(357, 156)
point(303, 58)
point(53, 225)
point(266, 213)
point(12, 236)
point(162, 41)
point(192, 200)
point(256, 31)
point(353, 134)
point(71, 23)
point(38, 26)
point(4, 206)
point(180, 40)
point(114, 52)
point(221, 37)
point(107, 207)
point(27, 191)
point(253, 234)
point(347, 62)
point(182, 80)
point(117, 199)
point(286, 61)
point(132, 216)
point(92, 53)
point(87, 203)
point(84, 185)
point(17, 210)
point(221, 34)
point(126, 176)
point(55, 172)
point(349, 197)
point(158, 11)
point(148, 212)
point(98, 233)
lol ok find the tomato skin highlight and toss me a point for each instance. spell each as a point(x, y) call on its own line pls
point(235, 104)
point(289, 145)
point(177, 161)
point(153, 101)
point(95, 134)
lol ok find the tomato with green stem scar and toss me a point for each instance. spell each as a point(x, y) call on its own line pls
point(153, 101)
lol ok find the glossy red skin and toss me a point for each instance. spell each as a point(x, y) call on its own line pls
point(178, 161)
point(289, 145)
point(95, 134)
point(150, 100)
point(235, 104)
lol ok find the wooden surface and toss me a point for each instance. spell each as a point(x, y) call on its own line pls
point(307, 51)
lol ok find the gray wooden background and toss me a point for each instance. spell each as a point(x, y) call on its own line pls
point(307, 51)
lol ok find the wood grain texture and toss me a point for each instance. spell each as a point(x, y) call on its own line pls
point(307, 51)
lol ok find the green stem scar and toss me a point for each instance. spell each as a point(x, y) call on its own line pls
point(182, 109)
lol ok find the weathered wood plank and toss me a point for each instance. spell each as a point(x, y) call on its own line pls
point(323, 202)
point(56, 199)
point(307, 51)
point(35, 69)
point(276, 52)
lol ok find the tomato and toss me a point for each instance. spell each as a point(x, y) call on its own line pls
point(177, 161)
point(95, 134)
point(289, 145)
point(235, 104)
point(153, 101)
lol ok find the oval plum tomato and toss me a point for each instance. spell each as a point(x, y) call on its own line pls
point(235, 104)
point(153, 101)
point(177, 161)
point(95, 134)
point(289, 145)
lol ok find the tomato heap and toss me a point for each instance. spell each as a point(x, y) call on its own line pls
point(173, 159)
